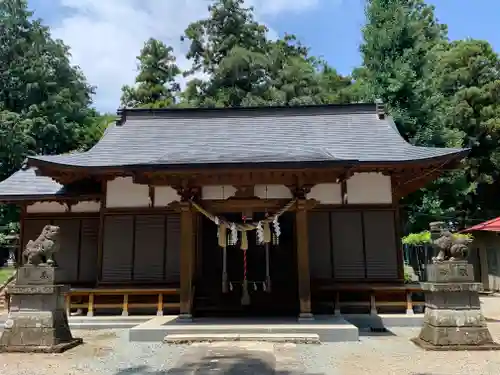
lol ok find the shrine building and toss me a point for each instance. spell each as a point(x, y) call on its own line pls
point(242, 211)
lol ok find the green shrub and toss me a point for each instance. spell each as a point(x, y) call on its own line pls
point(424, 238)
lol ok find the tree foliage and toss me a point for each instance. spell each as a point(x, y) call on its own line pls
point(440, 93)
point(466, 78)
point(397, 37)
point(38, 83)
point(44, 100)
point(156, 84)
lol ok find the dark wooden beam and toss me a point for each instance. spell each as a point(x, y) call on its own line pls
point(100, 239)
point(304, 277)
point(186, 261)
point(399, 244)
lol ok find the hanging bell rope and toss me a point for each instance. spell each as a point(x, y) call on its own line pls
point(222, 237)
point(267, 239)
point(245, 297)
point(224, 270)
point(268, 272)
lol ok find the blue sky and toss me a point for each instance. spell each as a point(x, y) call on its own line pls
point(106, 35)
point(335, 31)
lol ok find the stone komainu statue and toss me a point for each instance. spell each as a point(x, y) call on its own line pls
point(41, 251)
point(450, 247)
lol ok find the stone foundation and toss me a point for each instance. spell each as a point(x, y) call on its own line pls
point(453, 318)
point(37, 321)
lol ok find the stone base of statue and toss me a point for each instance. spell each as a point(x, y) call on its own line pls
point(453, 318)
point(37, 321)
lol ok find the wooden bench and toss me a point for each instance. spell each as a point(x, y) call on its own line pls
point(124, 294)
point(375, 291)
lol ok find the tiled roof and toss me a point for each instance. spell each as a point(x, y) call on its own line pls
point(199, 137)
point(336, 133)
point(24, 184)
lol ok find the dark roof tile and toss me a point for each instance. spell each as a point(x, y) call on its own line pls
point(250, 135)
point(24, 184)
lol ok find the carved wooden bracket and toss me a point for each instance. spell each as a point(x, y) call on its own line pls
point(188, 193)
point(300, 191)
point(345, 175)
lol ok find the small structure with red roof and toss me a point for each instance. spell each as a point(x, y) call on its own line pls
point(486, 250)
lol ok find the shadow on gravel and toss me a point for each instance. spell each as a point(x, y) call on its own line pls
point(376, 332)
point(211, 365)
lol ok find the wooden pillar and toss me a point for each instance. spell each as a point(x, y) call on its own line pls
point(100, 238)
point(483, 264)
point(303, 260)
point(187, 260)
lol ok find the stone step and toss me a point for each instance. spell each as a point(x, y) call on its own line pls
point(305, 338)
point(98, 322)
point(328, 330)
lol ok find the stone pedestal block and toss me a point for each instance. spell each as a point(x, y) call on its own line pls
point(453, 318)
point(37, 320)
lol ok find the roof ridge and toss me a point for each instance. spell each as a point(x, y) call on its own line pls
point(355, 107)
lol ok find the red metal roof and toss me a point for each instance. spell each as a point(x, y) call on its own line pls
point(492, 225)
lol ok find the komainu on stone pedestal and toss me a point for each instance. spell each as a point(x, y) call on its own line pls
point(37, 320)
point(453, 318)
point(41, 251)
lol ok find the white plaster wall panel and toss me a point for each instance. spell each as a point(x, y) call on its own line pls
point(272, 192)
point(122, 192)
point(86, 206)
point(369, 188)
point(217, 191)
point(42, 207)
point(326, 193)
point(164, 195)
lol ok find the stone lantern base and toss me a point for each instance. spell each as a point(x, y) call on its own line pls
point(37, 321)
point(453, 318)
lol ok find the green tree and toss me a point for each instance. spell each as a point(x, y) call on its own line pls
point(156, 85)
point(397, 37)
point(245, 68)
point(38, 82)
point(44, 100)
point(15, 142)
point(466, 77)
point(229, 46)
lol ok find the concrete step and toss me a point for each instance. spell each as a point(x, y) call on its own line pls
point(99, 322)
point(332, 329)
point(305, 338)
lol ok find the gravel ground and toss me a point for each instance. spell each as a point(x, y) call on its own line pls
point(108, 352)
point(396, 355)
point(104, 353)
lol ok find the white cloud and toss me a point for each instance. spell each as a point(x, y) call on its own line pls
point(105, 36)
